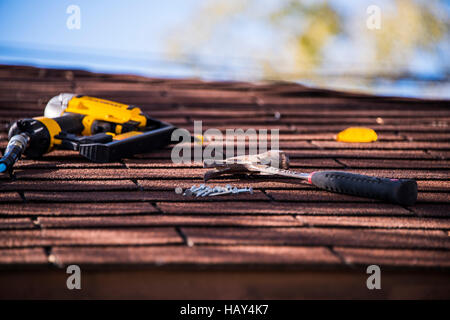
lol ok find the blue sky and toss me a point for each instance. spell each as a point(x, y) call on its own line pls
point(114, 35)
point(120, 25)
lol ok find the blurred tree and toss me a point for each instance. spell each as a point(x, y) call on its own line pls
point(411, 26)
point(307, 34)
point(319, 23)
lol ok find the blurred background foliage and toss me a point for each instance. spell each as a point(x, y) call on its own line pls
point(326, 43)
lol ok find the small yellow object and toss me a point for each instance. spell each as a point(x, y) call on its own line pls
point(199, 139)
point(126, 135)
point(357, 134)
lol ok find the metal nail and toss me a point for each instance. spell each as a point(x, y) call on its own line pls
point(220, 193)
point(203, 191)
point(209, 191)
point(249, 190)
point(218, 190)
point(202, 186)
point(199, 189)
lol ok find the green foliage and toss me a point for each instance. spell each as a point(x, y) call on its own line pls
point(306, 30)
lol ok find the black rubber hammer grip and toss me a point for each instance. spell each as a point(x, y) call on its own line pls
point(400, 191)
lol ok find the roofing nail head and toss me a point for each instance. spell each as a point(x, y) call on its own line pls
point(178, 190)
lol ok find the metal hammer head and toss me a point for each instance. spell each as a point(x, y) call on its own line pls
point(245, 164)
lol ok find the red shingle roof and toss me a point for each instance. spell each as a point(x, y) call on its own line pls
point(65, 210)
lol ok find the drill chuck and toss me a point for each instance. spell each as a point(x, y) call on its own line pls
point(16, 146)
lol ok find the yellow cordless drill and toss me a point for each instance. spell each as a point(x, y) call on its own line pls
point(98, 129)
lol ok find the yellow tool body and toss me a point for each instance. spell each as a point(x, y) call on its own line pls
point(96, 109)
point(101, 130)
